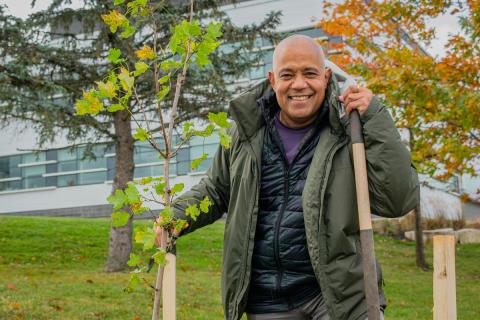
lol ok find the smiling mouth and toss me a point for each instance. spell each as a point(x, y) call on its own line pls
point(300, 98)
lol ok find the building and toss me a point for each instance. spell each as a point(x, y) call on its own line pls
point(58, 181)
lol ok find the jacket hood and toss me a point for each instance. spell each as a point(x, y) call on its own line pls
point(247, 112)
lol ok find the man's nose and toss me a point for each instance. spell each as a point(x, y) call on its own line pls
point(299, 83)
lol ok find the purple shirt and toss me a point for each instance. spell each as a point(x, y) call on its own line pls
point(290, 137)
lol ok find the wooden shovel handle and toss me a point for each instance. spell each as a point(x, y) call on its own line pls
point(364, 218)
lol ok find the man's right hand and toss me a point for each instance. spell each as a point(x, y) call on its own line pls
point(160, 232)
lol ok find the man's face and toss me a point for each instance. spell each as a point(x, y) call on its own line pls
point(299, 80)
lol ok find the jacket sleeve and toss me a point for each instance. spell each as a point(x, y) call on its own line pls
point(215, 186)
point(392, 179)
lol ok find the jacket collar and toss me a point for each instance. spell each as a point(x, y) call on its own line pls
point(246, 109)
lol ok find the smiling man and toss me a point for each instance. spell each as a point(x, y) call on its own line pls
point(292, 248)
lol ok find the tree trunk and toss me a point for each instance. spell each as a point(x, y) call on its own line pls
point(120, 242)
point(419, 248)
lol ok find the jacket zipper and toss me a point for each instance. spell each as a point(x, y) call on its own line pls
point(276, 242)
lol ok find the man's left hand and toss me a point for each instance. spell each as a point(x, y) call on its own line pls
point(356, 98)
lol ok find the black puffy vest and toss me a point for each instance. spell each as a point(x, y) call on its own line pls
point(282, 276)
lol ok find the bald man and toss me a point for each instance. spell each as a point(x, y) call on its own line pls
point(291, 244)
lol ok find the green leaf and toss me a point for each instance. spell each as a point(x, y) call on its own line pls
point(131, 192)
point(128, 31)
point(107, 90)
point(178, 187)
point(198, 161)
point(140, 68)
point(167, 215)
point(141, 134)
point(194, 29)
point(120, 218)
point(160, 188)
point(225, 138)
point(146, 180)
point(114, 56)
point(118, 2)
point(159, 257)
point(187, 129)
point(126, 80)
point(179, 225)
point(170, 64)
point(114, 19)
point(163, 93)
point(115, 107)
point(164, 79)
point(192, 211)
point(134, 260)
point(90, 104)
point(147, 237)
point(220, 119)
point(207, 132)
point(214, 30)
point(205, 204)
point(118, 199)
point(133, 283)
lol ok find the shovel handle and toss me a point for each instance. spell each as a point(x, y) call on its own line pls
point(364, 218)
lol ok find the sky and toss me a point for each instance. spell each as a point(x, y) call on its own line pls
point(445, 25)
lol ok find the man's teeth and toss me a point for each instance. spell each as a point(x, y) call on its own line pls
point(300, 98)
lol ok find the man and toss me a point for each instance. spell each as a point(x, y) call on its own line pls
point(291, 247)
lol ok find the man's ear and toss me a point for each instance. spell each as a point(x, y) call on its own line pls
point(271, 77)
point(328, 74)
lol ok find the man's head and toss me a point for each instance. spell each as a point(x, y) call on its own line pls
point(299, 79)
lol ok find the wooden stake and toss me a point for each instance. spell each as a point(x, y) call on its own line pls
point(444, 287)
point(169, 288)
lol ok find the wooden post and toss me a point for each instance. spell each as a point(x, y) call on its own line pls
point(169, 288)
point(444, 288)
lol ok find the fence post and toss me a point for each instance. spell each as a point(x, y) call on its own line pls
point(444, 287)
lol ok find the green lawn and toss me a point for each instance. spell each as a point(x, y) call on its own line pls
point(51, 268)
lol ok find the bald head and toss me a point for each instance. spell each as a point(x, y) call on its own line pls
point(299, 79)
point(297, 42)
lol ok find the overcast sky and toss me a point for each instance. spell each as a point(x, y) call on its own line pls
point(445, 24)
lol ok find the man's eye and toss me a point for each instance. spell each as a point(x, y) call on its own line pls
point(311, 74)
point(286, 76)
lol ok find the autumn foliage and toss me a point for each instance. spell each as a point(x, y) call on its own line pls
point(436, 98)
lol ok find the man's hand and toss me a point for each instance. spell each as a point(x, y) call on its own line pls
point(356, 98)
point(160, 230)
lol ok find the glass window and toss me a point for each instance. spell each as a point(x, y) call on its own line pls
point(66, 154)
point(50, 181)
point(183, 154)
point(33, 171)
point(257, 72)
point(196, 141)
point(183, 168)
point(33, 182)
point(10, 185)
point(15, 172)
point(15, 160)
point(4, 168)
point(67, 180)
point(197, 151)
point(3, 186)
point(204, 166)
point(51, 155)
point(92, 177)
point(51, 168)
point(70, 165)
point(89, 163)
point(33, 157)
point(110, 168)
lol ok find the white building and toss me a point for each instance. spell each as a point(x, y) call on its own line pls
point(57, 181)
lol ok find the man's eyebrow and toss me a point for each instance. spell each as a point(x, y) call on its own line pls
point(285, 70)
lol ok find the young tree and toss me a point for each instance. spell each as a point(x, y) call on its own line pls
point(50, 59)
point(435, 98)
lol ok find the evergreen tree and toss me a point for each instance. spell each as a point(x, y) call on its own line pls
point(48, 60)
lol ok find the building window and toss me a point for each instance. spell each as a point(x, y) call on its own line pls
point(92, 177)
point(67, 180)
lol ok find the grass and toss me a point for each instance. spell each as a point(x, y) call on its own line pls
point(51, 268)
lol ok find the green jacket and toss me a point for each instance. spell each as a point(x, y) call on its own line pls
point(329, 200)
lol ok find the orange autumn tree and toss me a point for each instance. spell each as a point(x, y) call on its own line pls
point(435, 98)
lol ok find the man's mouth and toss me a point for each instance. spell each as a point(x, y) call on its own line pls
point(300, 97)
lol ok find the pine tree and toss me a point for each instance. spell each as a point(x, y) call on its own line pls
point(50, 59)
